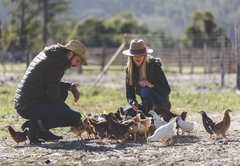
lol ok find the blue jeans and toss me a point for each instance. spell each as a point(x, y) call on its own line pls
point(52, 115)
point(148, 95)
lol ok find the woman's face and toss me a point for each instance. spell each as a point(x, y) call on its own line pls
point(138, 60)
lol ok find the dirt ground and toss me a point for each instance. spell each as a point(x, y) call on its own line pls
point(194, 149)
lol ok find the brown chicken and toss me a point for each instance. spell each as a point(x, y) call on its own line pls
point(100, 128)
point(120, 114)
point(221, 127)
point(151, 127)
point(78, 132)
point(135, 126)
point(118, 130)
point(90, 129)
point(19, 136)
point(164, 112)
point(142, 116)
point(145, 123)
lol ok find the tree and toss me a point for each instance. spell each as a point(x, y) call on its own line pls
point(125, 23)
point(163, 39)
point(54, 12)
point(24, 23)
point(38, 22)
point(204, 29)
point(95, 31)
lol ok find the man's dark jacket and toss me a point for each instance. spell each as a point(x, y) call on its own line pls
point(42, 80)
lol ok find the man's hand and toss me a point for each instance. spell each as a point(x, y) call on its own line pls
point(75, 93)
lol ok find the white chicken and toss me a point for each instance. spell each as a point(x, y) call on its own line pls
point(157, 121)
point(185, 126)
point(164, 132)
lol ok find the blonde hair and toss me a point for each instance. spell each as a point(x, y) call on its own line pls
point(142, 69)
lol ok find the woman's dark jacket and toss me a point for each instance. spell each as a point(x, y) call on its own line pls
point(155, 75)
point(42, 80)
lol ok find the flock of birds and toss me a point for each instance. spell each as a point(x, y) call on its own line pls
point(162, 125)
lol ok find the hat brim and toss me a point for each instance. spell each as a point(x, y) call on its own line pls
point(127, 52)
point(84, 62)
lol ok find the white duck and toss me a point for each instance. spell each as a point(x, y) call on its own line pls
point(156, 119)
point(164, 132)
point(185, 126)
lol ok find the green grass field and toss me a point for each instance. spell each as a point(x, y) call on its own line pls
point(100, 99)
point(96, 100)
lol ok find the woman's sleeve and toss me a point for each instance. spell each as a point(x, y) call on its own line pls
point(161, 85)
point(130, 93)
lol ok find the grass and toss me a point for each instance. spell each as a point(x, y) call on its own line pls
point(96, 100)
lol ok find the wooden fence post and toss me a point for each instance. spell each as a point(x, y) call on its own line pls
point(237, 59)
point(222, 52)
point(205, 64)
point(108, 64)
point(179, 57)
point(193, 62)
point(103, 55)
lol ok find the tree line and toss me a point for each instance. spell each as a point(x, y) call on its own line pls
point(34, 24)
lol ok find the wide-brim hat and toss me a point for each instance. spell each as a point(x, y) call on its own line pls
point(78, 48)
point(137, 48)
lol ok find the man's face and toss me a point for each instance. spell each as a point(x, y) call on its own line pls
point(73, 61)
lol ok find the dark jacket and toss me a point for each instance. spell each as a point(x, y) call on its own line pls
point(42, 80)
point(155, 75)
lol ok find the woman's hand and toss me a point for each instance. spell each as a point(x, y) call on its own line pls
point(135, 105)
point(145, 83)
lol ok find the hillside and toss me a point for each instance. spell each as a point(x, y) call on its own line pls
point(170, 15)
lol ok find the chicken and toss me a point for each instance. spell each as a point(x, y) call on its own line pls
point(100, 128)
point(207, 122)
point(135, 126)
point(142, 116)
point(19, 136)
point(151, 129)
point(168, 115)
point(90, 129)
point(144, 126)
point(118, 130)
point(120, 114)
point(77, 131)
point(185, 126)
point(164, 132)
point(183, 115)
point(164, 112)
point(156, 119)
point(221, 127)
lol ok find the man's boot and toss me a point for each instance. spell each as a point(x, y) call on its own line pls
point(48, 136)
point(33, 128)
point(45, 134)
